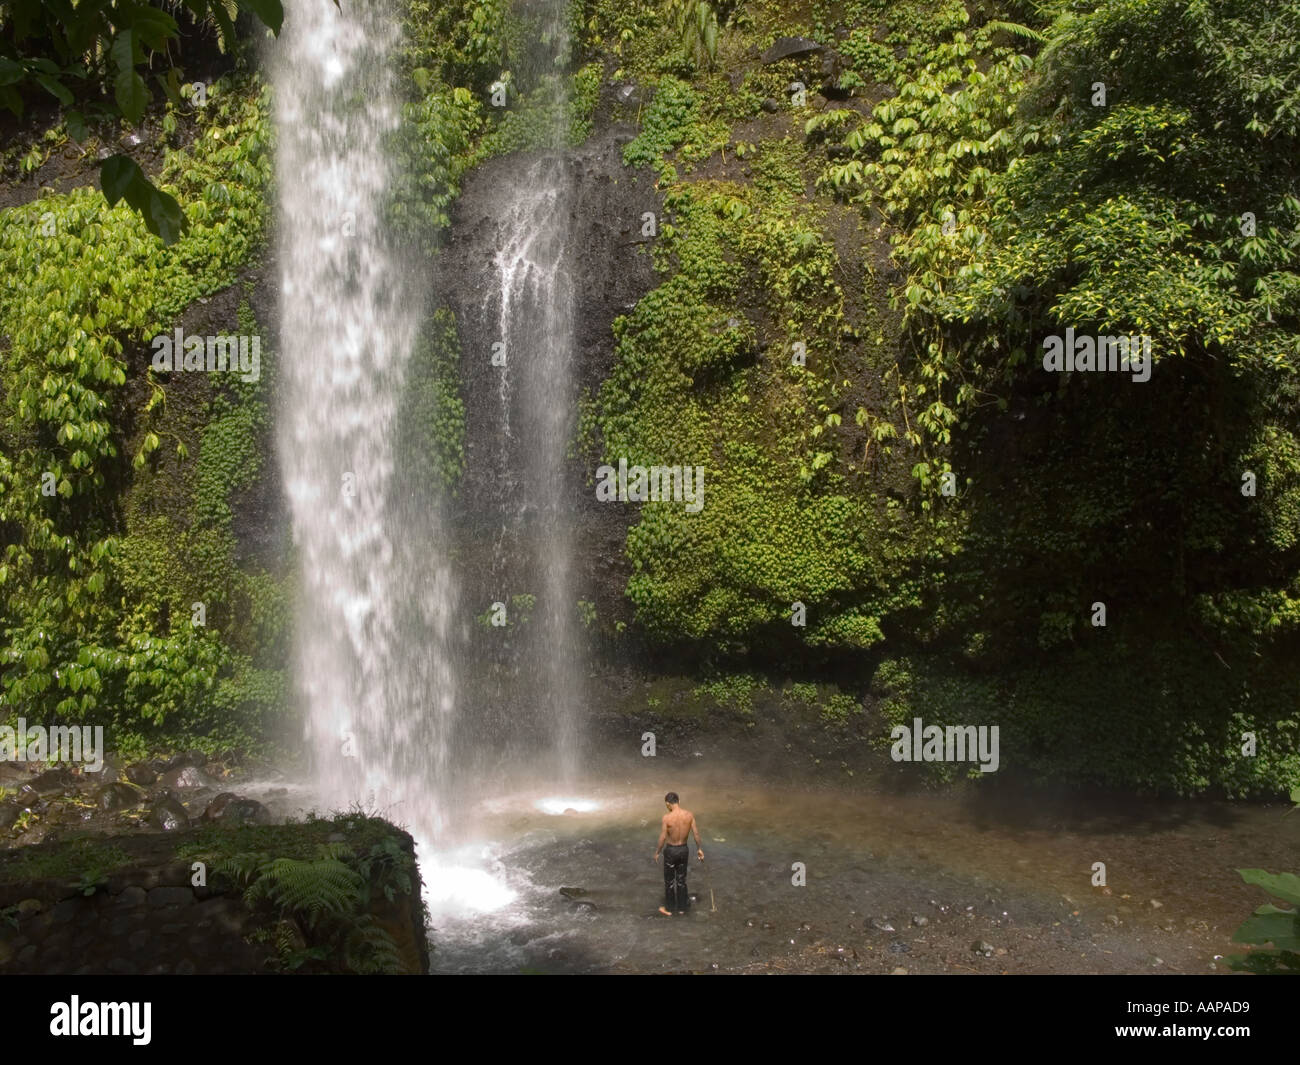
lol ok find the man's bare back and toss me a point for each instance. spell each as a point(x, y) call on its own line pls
point(677, 826)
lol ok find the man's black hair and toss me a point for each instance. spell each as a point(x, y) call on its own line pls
point(671, 797)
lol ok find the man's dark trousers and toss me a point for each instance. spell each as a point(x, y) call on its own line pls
point(676, 862)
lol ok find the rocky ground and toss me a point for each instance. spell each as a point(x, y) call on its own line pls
point(40, 801)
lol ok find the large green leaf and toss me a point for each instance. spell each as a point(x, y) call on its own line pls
point(55, 88)
point(271, 12)
point(164, 216)
point(128, 87)
point(153, 27)
point(1280, 928)
point(1284, 886)
point(121, 178)
point(116, 173)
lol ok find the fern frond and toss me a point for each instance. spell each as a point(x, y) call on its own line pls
point(1015, 29)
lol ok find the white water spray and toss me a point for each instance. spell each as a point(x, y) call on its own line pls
point(374, 667)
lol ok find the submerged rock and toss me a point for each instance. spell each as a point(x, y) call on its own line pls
point(573, 892)
point(981, 946)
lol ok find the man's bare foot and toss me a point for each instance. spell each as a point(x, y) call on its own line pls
point(664, 911)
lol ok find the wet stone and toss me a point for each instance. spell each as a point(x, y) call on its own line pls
point(170, 896)
point(167, 815)
point(186, 777)
point(66, 910)
point(116, 796)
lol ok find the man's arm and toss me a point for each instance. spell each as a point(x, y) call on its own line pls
point(696, 829)
point(663, 835)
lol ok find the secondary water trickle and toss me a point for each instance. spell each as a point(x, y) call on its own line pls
point(533, 301)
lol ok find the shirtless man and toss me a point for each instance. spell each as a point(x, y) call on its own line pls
point(677, 825)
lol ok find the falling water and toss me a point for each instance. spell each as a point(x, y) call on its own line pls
point(373, 667)
point(534, 302)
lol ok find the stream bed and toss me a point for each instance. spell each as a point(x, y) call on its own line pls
point(920, 883)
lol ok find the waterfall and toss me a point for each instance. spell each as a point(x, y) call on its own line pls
point(534, 322)
point(374, 665)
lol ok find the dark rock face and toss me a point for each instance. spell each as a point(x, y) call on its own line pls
point(791, 48)
point(607, 255)
point(141, 774)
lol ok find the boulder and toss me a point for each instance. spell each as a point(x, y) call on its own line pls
point(245, 812)
point(185, 777)
point(140, 773)
point(116, 796)
point(217, 806)
point(167, 815)
point(51, 782)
